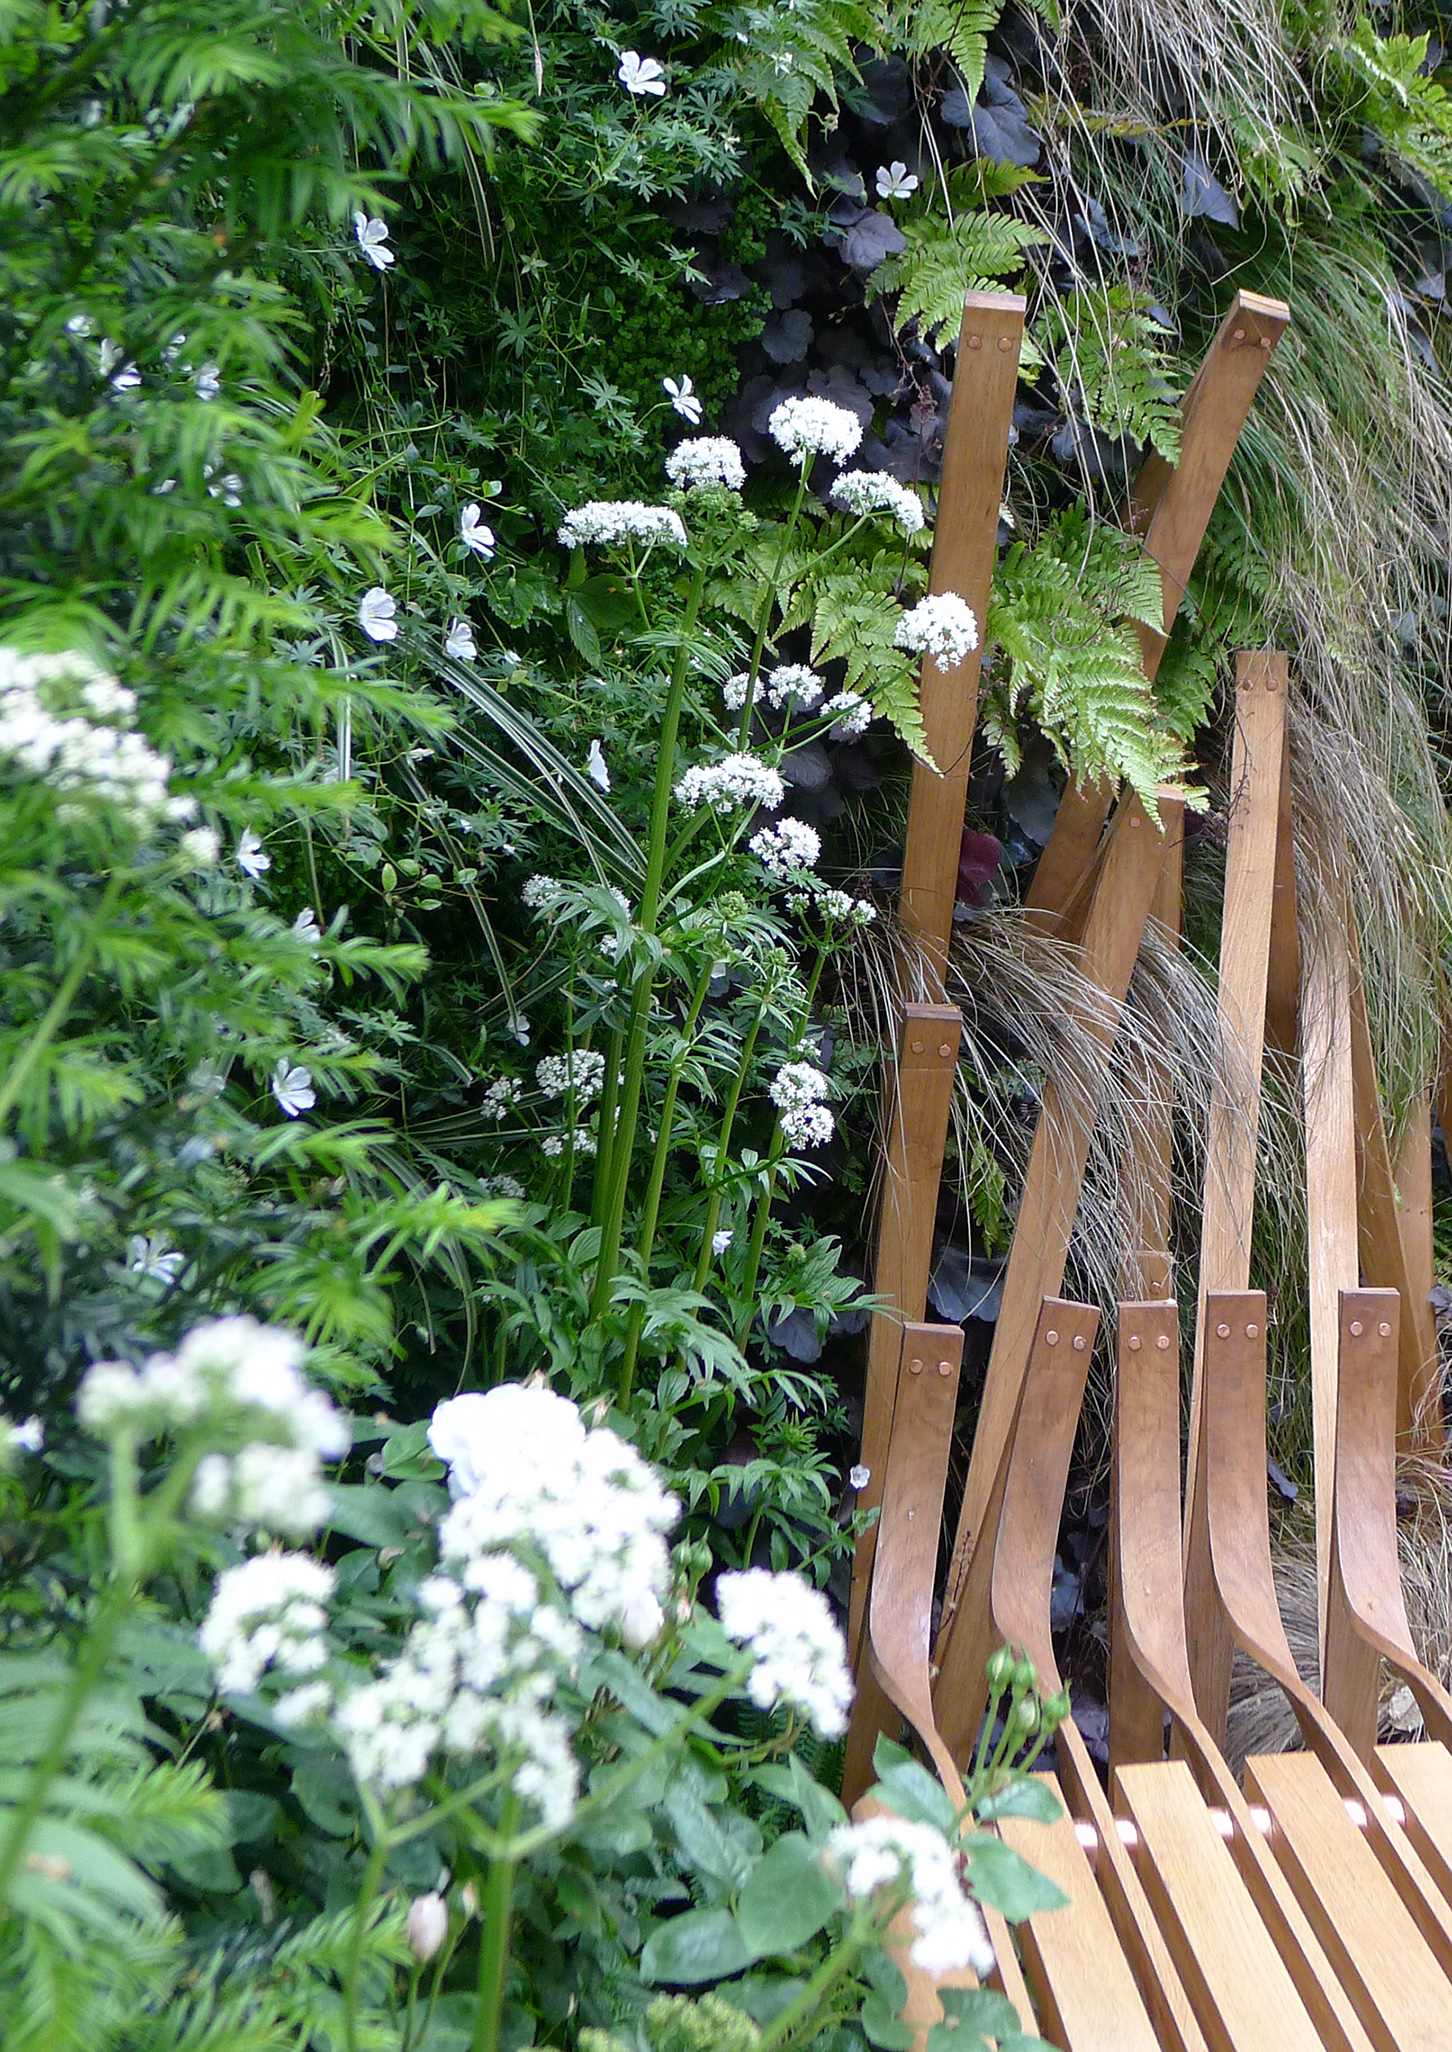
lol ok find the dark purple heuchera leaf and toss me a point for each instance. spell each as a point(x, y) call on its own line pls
point(808, 768)
point(839, 385)
point(885, 93)
point(980, 857)
point(1203, 197)
point(721, 280)
point(872, 239)
point(912, 458)
point(787, 337)
point(796, 1334)
point(782, 270)
point(1098, 455)
point(703, 216)
point(1032, 797)
point(961, 1287)
point(834, 169)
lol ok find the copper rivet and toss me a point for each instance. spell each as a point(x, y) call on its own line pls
point(1051, 1339)
point(1265, 341)
point(915, 1367)
point(1163, 1341)
point(1252, 1331)
point(975, 341)
point(946, 1048)
point(1134, 1342)
point(917, 1047)
point(1384, 1330)
point(1356, 1328)
point(1240, 334)
point(1222, 1332)
point(945, 1367)
point(1079, 1343)
point(1004, 342)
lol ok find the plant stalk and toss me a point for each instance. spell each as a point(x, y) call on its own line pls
point(497, 1912)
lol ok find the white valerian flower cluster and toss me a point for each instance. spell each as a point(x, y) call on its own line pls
point(706, 460)
point(503, 1093)
point(241, 1380)
point(872, 491)
point(787, 848)
point(581, 1142)
point(726, 786)
point(793, 684)
point(852, 715)
point(839, 907)
point(884, 1851)
point(942, 626)
point(788, 1628)
point(542, 893)
point(582, 1070)
point(615, 520)
point(804, 428)
point(503, 1186)
point(798, 1090)
point(267, 1613)
point(525, 1471)
point(63, 719)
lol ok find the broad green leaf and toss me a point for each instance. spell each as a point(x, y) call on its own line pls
point(790, 1783)
point(909, 1790)
point(1027, 1797)
point(787, 1898)
point(702, 1945)
point(1006, 1882)
point(884, 2027)
point(367, 1512)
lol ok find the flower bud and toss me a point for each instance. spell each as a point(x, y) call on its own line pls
point(469, 1896)
point(1025, 1677)
point(1026, 1713)
point(1056, 1709)
point(428, 1926)
point(1000, 1670)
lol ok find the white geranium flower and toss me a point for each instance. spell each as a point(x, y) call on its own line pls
point(373, 241)
point(684, 400)
point(721, 1241)
point(153, 1258)
point(519, 1026)
point(595, 768)
point(640, 74)
point(305, 927)
point(293, 1088)
point(459, 642)
point(251, 855)
point(376, 610)
point(29, 1437)
point(895, 181)
point(858, 1477)
point(208, 381)
point(474, 534)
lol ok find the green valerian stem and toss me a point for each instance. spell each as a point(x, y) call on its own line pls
point(768, 600)
point(651, 1215)
point(723, 1144)
point(617, 1182)
point(497, 1912)
point(614, 1047)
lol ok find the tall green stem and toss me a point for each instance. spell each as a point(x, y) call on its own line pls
point(723, 1144)
point(65, 996)
point(651, 1215)
point(834, 1968)
point(758, 1241)
point(497, 1911)
point(617, 1178)
point(764, 619)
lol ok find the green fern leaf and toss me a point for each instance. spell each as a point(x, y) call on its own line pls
point(945, 260)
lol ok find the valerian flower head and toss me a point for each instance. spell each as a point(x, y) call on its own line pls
point(706, 460)
point(804, 428)
point(793, 684)
point(542, 893)
point(376, 610)
point(942, 626)
point(873, 491)
point(798, 1090)
point(728, 785)
point(583, 1069)
point(269, 1612)
point(787, 848)
point(373, 240)
point(886, 1851)
point(473, 533)
point(604, 521)
point(640, 75)
point(852, 715)
point(683, 399)
point(581, 1143)
point(501, 1096)
point(799, 1654)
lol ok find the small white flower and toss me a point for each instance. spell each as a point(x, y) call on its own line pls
point(603, 521)
point(428, 1926)
point(208, 381)
point(595, 768)
point(200, 846)
point(153, 1258)
point(293, 1088)
point(735, 781)
point(810, 1125)
point(733, 691)
point(583, 1070)
point(804, 428)
point(541, 893)
point(376, 611)
point(942, 626)
point(684, 400)
point(800, 1656)
point(885, 1851)
point(251, 855)
point(706, 460)
point(459, 642)
point(520, 1028)
point(123, 379)
point(373, 241)
point(640, 74)
point(503, 1186)
point(872, 491)
point(474, 534)
point(858, 1477)
point(796, 1084)
point(895, 181)
point(305, 927)
point(555, 1144)
point(793, 684)
point(29, 1437)
point(721, 1241)
point(79, 325)
point(787, 848)
point(853, 715)
point(501, 1096)
point(267, 1613)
